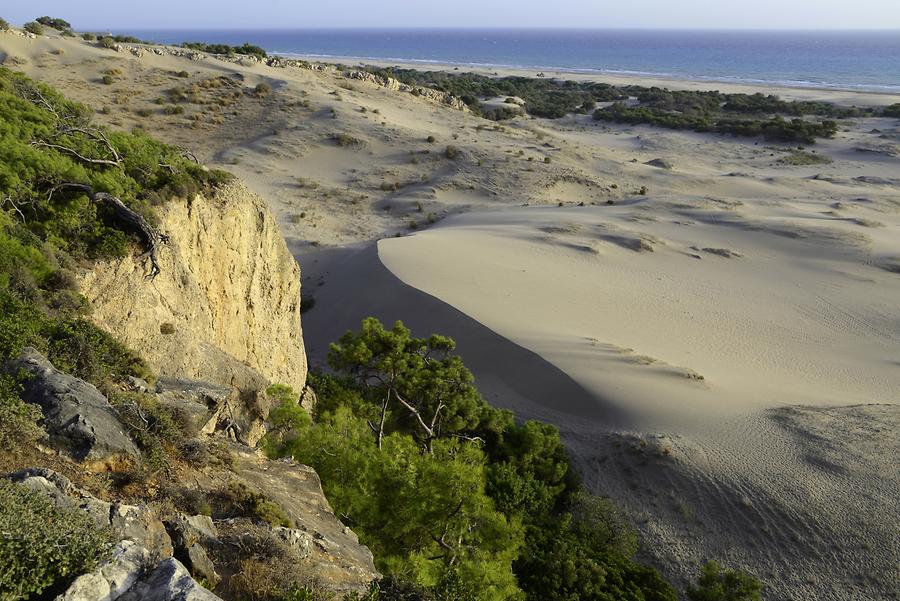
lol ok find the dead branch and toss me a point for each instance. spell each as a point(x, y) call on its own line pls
point(75, 153)
point(96, 135)
point(12, 203)
point(153, 239)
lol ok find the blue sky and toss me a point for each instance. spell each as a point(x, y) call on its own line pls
point(198, 14)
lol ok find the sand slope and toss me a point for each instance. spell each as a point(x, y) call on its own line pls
point(721, 353)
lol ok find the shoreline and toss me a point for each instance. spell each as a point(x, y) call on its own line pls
point(787, 90)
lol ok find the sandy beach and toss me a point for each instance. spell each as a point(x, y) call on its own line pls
point(721, 350)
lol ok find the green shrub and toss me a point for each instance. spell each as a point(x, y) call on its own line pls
point(18, 419)
point(88, 37)
point(174, 109)
point(430, 139)
point(54, 22)
point(288, 418)
point(241, 501)
point(892, 111)
point(107, 42)
point(157, 429)
point(4, 24)
point(262, 89)
point(248, 49)
point(108, 79)
point(43, 548)
point(801, 157)
point(717, 584)
point(33, 27)
point(344, 140)
point(452, 153)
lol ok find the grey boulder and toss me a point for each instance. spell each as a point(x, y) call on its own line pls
point(77, 417)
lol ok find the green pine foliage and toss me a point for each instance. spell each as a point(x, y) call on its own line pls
point(454, 498)
point(55, 23)
point(43, 548)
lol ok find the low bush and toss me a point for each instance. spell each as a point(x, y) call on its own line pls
point(798, 158)
point(718, 584)
point(237, 500)
point(107, 42)
point(54, 23)
point(43, 548)
point(248, 49)
point(88, 36)
point(18, 419)
point(452, 153)
point(262, 89)
point(344, 140)
point(108, 79)
point(892, 111)
point(4, 24)
point(34, 27)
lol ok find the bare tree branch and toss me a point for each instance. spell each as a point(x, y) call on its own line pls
point(152, 238)
point(75, 153)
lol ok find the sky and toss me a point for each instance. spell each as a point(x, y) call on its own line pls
point(636, 14)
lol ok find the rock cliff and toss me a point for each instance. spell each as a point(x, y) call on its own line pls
point(226, 306)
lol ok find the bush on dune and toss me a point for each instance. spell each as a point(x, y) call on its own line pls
point(34, 28)
point(718, 584)
point(54, 23)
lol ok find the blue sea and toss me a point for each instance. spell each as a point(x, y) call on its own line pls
point(864, 60)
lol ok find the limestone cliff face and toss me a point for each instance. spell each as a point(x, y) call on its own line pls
point(225, 307)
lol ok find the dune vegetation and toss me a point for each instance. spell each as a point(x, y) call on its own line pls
point(704, 111)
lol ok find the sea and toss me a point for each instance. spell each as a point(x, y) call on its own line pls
point(856, 60)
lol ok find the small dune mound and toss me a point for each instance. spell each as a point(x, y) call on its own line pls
point(726, 253)
point(661, 164)
point(636, 243)
point(563, 228)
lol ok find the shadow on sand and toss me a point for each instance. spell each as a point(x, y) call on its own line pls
point(351, 284)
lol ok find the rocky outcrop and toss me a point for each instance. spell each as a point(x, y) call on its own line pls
point(155, 559)
point(330, 549)
point(170, 581)
point(226, 305)
point(398, 86)
point(134, 523)
point(78, 419)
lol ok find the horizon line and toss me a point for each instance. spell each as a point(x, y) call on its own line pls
point(496, 28)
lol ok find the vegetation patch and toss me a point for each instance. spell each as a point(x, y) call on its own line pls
point(739, 114)
point(247, 49)
point(57, 173)
point(797, 158)
point(43, 547)
point(454, 498)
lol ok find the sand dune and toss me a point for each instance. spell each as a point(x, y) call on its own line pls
point(721, 351)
